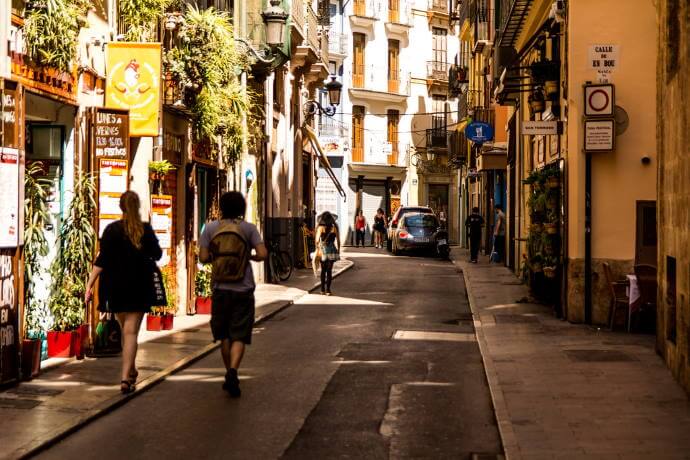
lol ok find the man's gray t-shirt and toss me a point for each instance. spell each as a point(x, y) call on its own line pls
point(251, 233)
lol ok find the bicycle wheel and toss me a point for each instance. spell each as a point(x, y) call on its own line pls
point(284, 265)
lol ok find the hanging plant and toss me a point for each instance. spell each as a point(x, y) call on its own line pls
point(140, 18)
point(51, 31)
point(76, 245)
point(207, 64)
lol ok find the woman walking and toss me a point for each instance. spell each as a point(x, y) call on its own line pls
point(329, 246)
point(129, 249)
point(360, 227)
point(379, 228)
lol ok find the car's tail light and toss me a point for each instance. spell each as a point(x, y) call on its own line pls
point(403, 234)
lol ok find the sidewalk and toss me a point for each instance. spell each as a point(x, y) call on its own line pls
point(72, 393)
point(563, 390)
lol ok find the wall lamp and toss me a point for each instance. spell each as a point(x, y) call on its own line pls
point(275, 19)
point(312, 107)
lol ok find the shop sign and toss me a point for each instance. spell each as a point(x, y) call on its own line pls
point(604, 60)
point(9, 198)
point(540, 128)
point(161, 221)
point(9, 118)
point(133, 83)
point(111, 134)
point(600, 135)
point(112, 183)
point(9, 323)
point(599, 100)
point(479, 132)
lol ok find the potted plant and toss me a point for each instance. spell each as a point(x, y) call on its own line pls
point(551, 225)
point(550, 266)
point(536, 263)
point(154, 320)
point(553, 178)
point(202, 289)
point(157, 171)
point(169, 311)
point(547, 244)
point(75, 247)
point(537, 101)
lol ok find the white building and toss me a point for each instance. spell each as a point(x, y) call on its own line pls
point(395, 115)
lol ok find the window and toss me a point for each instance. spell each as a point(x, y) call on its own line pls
point(394, 11)
point(393, 66)
point(358, 42)
point(440, 112)
point(357, 133)
point(439, 47)
point(393, 120)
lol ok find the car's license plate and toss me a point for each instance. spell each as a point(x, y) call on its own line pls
point(422, 239)
point(442, 241)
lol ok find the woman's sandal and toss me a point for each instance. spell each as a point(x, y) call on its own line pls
point(126, 387)
point(133, 376)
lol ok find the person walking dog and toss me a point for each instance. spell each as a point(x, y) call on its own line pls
point(227, 244)
point(125, 265)
point(327, 238)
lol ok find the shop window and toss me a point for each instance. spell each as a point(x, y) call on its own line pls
point(671, 299)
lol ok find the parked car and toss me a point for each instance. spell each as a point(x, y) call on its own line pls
point(415, 230)
point(399, 213)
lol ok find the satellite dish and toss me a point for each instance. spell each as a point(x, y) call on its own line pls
point(622, 119)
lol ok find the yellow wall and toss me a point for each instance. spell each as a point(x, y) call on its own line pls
point(618, 178)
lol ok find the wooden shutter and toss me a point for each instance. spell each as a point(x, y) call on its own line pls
point(394, 11)
point(393, 66)
point(358, 42)
point(357, 134)
point(393, 120)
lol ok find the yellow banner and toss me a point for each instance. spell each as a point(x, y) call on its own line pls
point(133, 83)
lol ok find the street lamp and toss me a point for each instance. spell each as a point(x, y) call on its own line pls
point(275, 19)
point(334, 88)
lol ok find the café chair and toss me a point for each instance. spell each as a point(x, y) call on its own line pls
point(647, 284)
point(619, 298)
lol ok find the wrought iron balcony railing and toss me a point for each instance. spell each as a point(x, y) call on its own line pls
point(378, 78)
point(437, 138)
point(437, 70)
point(438, 6)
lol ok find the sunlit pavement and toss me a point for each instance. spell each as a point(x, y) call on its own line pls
point(326, 378)
point(563, 390)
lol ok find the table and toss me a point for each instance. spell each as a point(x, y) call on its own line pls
point(634, 298)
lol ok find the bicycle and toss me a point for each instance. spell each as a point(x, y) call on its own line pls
point(279, 262)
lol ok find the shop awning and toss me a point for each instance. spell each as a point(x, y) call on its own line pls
point(323, 159)
point(492, 158)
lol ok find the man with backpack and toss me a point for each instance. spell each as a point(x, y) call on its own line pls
point(227, 245)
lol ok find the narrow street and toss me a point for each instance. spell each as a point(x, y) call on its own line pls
point(325, 378)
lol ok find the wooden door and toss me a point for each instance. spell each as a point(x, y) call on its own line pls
point(357, 134)
point(394, 11)
point(358, 43)
point(393, 119)
point(393, 66)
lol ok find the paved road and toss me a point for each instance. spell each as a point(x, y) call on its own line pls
point(326, 379)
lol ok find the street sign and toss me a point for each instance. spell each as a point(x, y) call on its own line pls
point(600, 135)
point(541, 128)
point(599, 100)
point(604, 60)
point(479, 132)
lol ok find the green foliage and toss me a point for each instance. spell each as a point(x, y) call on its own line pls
point(51, 29)
point(35, 247)
point(170, 291)
point(160, 168)
point(207, 64)
point(202, 281)
point(534, 177)
point(141, 18)
point(76, 245)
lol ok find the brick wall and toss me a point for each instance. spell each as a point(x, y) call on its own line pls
point(673, 136)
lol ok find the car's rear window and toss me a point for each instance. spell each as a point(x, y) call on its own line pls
point(425, 221)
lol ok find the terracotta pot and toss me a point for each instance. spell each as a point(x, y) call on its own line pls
point(167, 322)
point(203, 305)
point(153, 323)
point(551, 228)
point(550, 272)
point(31, 358)
point(60, 344)
point(80, 341)
point(553, 182)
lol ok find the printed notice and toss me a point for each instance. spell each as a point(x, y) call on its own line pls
point(9, 198)
point(599, 135)
point(112, 183)
point(111, 134)
point(161, 221)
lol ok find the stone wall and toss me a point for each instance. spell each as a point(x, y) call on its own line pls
point(673, 135)
point(601, 296)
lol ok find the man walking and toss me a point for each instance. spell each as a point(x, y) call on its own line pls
point(227, 244)
point(500, 233)
point(474, 224)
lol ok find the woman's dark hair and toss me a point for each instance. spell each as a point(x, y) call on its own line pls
point(379, 210)
point(232, 205)
point(327, 219)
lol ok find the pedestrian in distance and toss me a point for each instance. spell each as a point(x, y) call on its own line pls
point(379, 228)
point(499, 234)
point(474, 224)
point(327, 238)
point(227, 244)
point(125, 265)
point(360, 227)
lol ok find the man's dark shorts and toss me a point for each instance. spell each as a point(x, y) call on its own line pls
point(232, 315)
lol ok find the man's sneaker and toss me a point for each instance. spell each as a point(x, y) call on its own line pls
point(232, 383)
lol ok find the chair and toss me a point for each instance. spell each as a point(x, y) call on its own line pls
point(618, 296)
point(647, 284)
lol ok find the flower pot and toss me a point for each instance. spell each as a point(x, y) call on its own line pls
point(553, 182)
point(60, 344)
point(550, 272)
point(536, 267)
point(536, 228)
point(551, 87)
point(167, 322)
point(551, 228)
point(537, 106)
point(80, 340)
point(31, 358)
point(203, 305)
point(153, 322)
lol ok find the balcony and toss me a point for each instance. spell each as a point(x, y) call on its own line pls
point(310, 45)
point(377, 83)
point(457, 154)
point(374, 156)
point(337, 43)
point(330, 127)
point(436, 70)
point(297, 14)
point(365, 13)
point(437, 7)
point(399, 20)
point(512, 15)
point(437, 138)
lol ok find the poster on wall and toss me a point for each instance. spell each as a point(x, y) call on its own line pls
point(9, 331)
point(112, 183)
point(161, 221)
point(133, 83)
point(9, 198)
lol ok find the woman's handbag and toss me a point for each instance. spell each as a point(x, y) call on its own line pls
point(108, 334)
